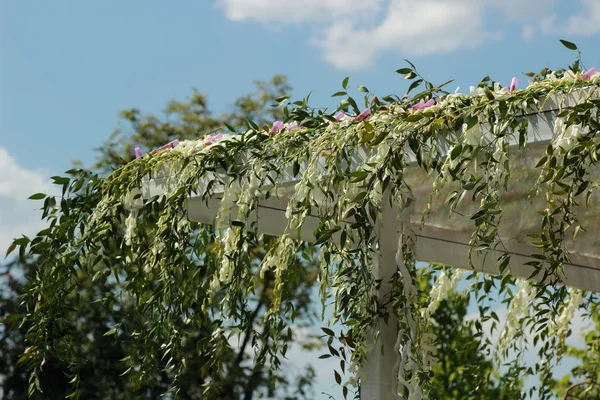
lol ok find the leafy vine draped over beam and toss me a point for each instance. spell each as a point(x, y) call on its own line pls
point(170, 265)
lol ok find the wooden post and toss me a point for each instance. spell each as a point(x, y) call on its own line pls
point(379, 370)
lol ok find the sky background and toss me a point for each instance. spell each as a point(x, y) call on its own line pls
point(68, 67)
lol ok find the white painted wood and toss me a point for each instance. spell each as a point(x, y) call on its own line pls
point(379, 374)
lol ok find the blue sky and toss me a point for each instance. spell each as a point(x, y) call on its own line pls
point(68, 67)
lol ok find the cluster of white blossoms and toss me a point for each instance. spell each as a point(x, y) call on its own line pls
point(566, 137)
point(561, 324)
point(442, 287)
point(190, 147)
point(229, 241)
point(130, 226)
point(519, 309)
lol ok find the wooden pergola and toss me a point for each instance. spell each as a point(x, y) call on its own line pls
point(443, 238)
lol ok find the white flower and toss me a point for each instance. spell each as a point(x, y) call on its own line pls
point(227, 267)
point(132, 203)
point(561, 325)
point(566, 137)
point(442, 287)
point(476, 91)
point(130, 226)
point(519, 309)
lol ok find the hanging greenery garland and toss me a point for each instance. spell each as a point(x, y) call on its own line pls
point(341, 168)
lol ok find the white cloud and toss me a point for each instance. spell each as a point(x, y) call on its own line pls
point(17, 214)
point(281, 12)
point(354, 33)
point(585, 22)
point(528, 32)
point(409, 28)
point(519, 10)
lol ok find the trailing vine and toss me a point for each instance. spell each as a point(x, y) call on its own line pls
point(340, 167)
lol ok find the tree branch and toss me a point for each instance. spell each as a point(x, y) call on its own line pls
point(573, 386)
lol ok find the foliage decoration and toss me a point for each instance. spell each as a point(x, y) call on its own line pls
point(341, 167)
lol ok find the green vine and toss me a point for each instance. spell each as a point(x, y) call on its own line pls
point(340, 170)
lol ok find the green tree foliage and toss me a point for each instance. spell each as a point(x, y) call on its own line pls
point(463, 370)
point(584, 380)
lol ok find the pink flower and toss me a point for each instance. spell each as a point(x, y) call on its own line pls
point(212, 139)
point(293, 126)
point(169, 145)
point(587, 75)
point(138, 152)
point(513, 84)
point(363, 115)
point(422, 105)
point(419, 105)
point(277, 126)
point(340, 116)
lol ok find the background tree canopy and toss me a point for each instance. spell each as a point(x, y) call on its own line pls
point(465, 370)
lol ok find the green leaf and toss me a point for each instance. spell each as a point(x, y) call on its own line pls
point(345, 82)
point(471, 121)
point(568, 45)
point(414, 117)
point(359, 197)
point(111, 332)
point(414, 85)
point(11, 248)
point(231, 128)
point(37, 196)
point(338, 378)
point(404, 71)
point(336, 94)
point(411, 64)
point(362, 88)
point(456, 151)
point(328, 331)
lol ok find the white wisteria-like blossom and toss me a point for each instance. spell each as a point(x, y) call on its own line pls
point(130, 227)
point(442, 287)
point(561, 324)
point(519, 309)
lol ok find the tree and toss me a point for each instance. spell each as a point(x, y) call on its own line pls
point(463, 371)
point(584, 380)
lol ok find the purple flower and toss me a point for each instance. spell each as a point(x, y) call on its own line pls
point(138, 152)
point(169, 145)
point(212, 139)
point(505, 88)
point(419, 105)
point(422, 105)
point(340, 116)
point(293, 126)
point(277, 126)
point(363, 115)
point(513, 84)
point(587, 75)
